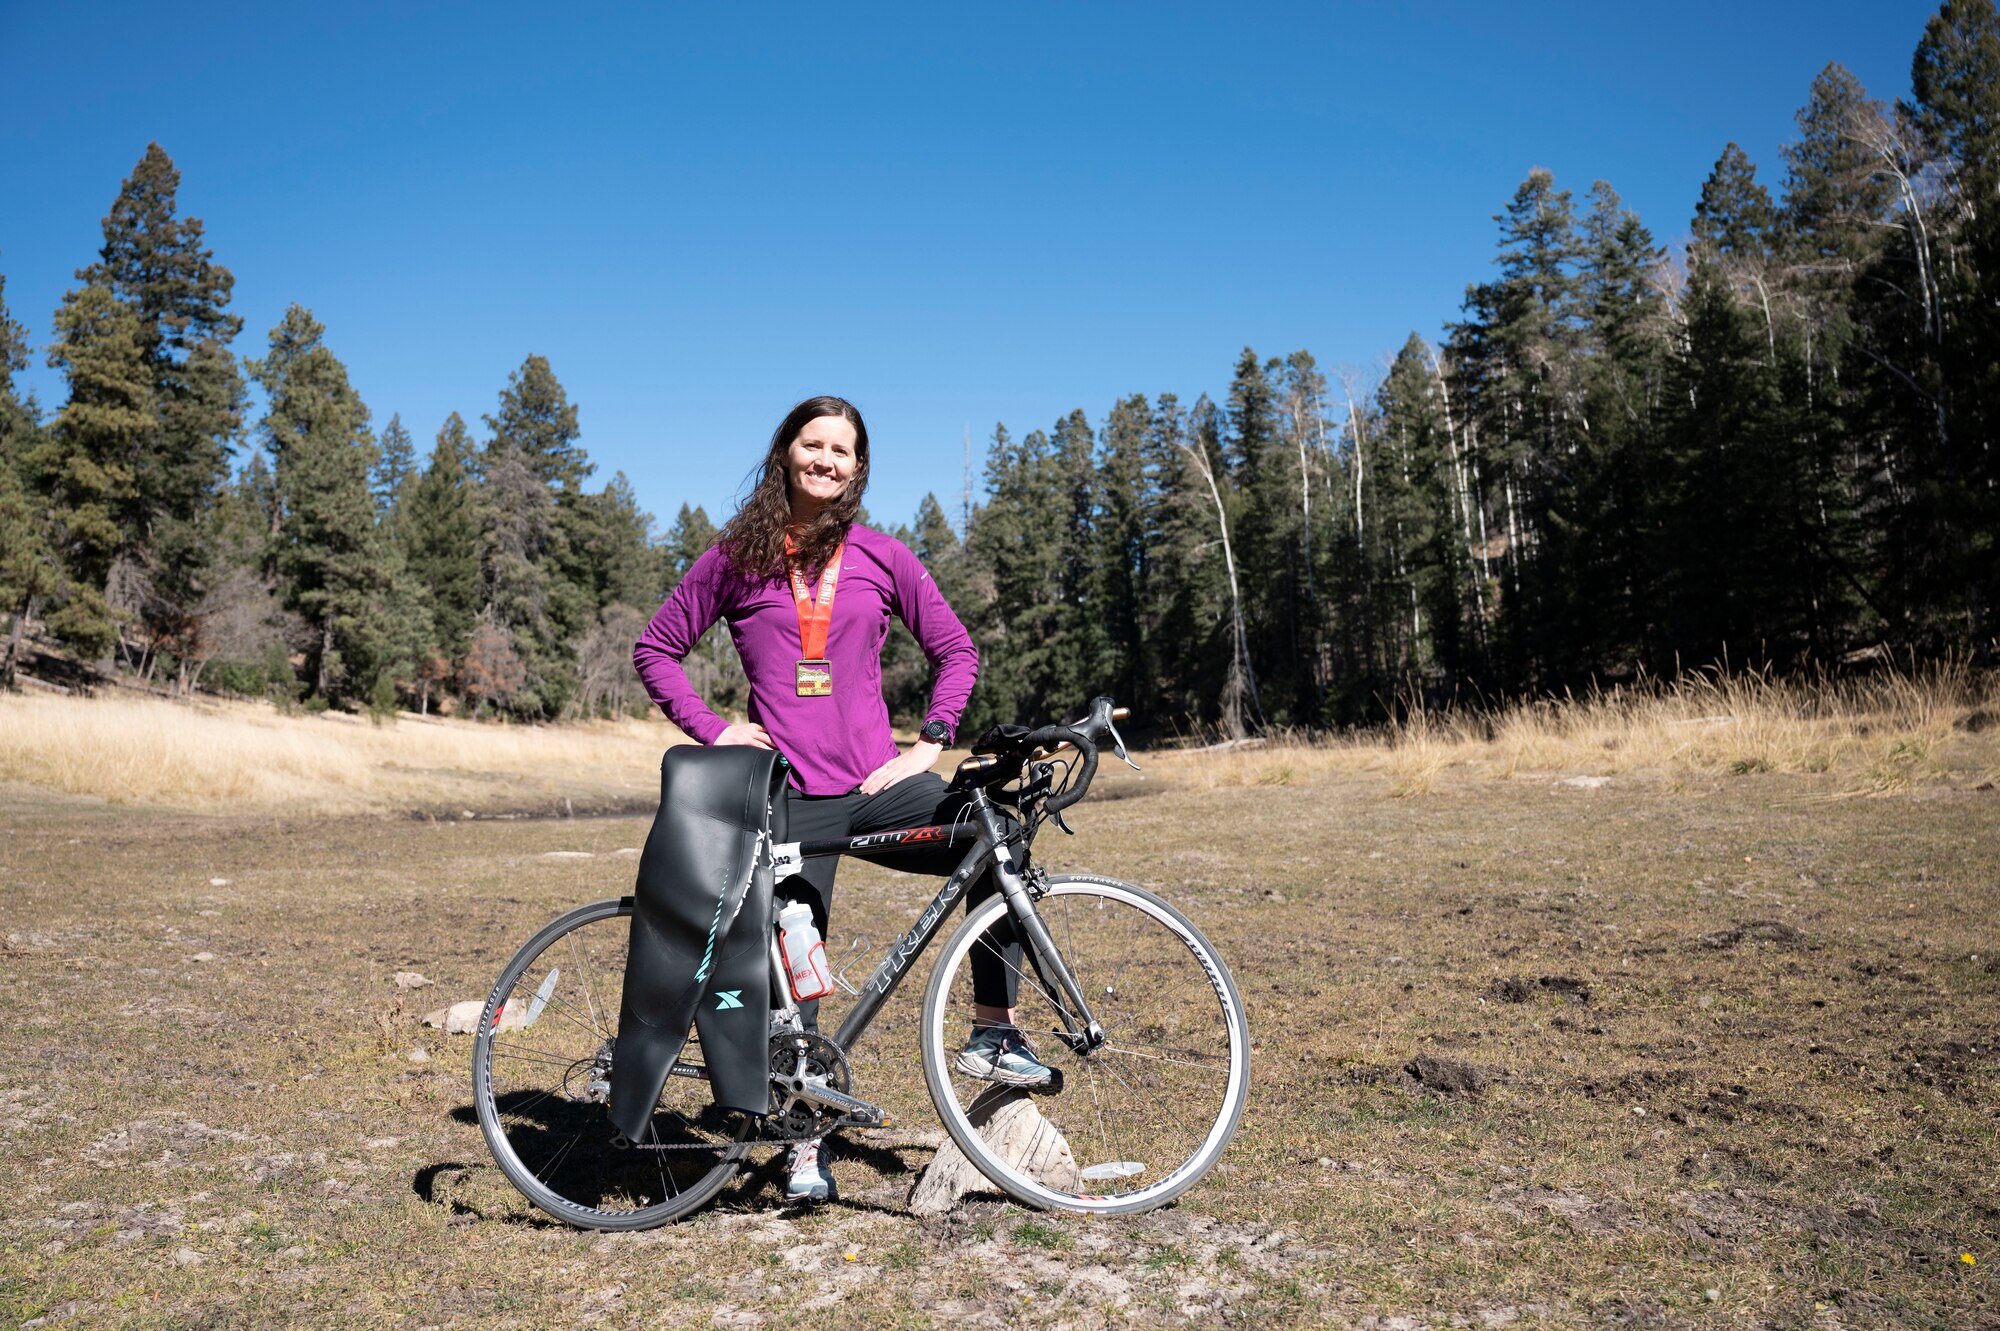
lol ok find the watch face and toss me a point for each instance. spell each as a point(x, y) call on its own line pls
point(936, 732)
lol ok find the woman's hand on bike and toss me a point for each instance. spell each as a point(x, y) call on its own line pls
point(747, 733)
point(918, 758)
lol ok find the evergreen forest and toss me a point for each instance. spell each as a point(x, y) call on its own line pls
point(1777, 445)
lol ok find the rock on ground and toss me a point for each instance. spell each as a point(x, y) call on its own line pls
point(1006, 1117)
point(463, 1018)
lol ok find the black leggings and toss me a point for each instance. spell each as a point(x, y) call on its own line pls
point(918, 801)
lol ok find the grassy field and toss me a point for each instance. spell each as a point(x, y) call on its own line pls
point(1709, 1043)
point(229, 757)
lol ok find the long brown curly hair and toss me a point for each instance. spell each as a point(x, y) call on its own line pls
point(754, 540)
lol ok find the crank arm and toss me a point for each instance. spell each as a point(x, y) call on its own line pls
point(863, 1113)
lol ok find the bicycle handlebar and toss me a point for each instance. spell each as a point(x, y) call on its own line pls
point(1081, 735)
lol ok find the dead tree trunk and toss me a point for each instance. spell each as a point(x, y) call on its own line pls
point(21, 617)
point(1242, 674)
point(325, 651)
point(1460, 492)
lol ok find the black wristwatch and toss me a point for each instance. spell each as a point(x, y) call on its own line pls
point(937, 732)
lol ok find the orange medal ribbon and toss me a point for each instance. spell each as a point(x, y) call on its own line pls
point(815, 679)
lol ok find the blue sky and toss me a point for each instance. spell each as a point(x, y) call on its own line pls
point(951, 215)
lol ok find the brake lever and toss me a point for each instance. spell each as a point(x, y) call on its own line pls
point(1118, 745)
point(1057, 819)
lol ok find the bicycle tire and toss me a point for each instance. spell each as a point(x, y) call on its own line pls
point(538, 1082)
point(1147, 1114)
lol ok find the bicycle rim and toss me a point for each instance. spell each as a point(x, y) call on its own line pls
point(1138, 1120)
point(540, 1072)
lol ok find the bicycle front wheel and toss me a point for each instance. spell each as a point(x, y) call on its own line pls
point(541, 1073)
point(1137, 1120)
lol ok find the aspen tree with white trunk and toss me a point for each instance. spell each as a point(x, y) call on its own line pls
point(1242, 675)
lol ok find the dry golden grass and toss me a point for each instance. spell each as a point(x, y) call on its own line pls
point(1872, 735)
point(1888, 732)
point(243, 757)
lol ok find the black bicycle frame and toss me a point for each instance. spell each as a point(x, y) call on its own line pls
point(990, 847)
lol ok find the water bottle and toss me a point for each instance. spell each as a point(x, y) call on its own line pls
point(805, 954)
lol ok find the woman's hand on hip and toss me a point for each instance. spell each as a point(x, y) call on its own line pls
point(747, 733)
point(918, 758)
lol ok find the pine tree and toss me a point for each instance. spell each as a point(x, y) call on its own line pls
point(1723, 537)
point(27, 564)
point(1122, 557)
point(19, 416)
point(155, 263)
point(27, 557)
point(610, 548)
point(1016, 542)
point(1954, 489)
point(329, 558)
point(906, 674)
point(713, 666)
point(685, 542)
point(1189, 643)
point(1834, 200)
point(516, 520)
point(537, 582)
point(1206, 621)
point(1267, 542)
point(89, 461)
point(1080, 643)
point(1955, 81)
point(1734, 216)
point(934, 542)
point(1517, 354)
point(537, 420)
point(1415, 508)
point(1605, 513)
point(395, 455)
point(1829, 232)
point(439, 531)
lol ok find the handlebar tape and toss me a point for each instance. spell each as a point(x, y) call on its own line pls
point(1051, 737)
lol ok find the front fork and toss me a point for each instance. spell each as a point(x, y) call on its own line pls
point(1046, 960)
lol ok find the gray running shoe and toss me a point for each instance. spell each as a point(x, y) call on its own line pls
point(1001, 1053)
point(811, 1180)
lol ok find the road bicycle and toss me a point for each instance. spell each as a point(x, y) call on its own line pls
point(1126, 999)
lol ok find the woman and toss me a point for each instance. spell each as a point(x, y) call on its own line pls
point(808, 593)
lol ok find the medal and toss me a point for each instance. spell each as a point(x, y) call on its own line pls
point(815, 679)
point(815, 621)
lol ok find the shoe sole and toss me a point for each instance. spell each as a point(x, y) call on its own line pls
point(980, 1070)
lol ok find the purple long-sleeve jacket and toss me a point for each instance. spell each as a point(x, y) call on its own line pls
point(835, 741)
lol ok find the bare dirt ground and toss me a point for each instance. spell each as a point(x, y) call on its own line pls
point(1649, 1053)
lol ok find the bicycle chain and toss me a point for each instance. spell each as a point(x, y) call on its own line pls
point(769, 1137)
point(775, 1133)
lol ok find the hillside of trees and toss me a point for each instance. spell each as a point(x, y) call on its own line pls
point(1775, 445)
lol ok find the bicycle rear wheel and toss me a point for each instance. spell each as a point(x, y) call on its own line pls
point(1142, 1117)
point(541, 1070)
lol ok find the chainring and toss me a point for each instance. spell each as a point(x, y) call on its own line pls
point(795, 1118)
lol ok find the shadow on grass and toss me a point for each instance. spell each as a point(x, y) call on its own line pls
point(596, 1172)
